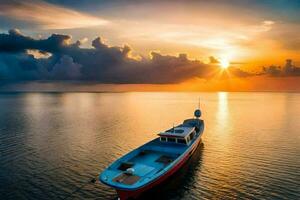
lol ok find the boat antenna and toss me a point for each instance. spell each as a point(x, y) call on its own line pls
point(197, 112)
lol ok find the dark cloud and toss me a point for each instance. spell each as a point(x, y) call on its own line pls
point(289, 69)
point(66, 69)
point(15, 42)
point(102, 63)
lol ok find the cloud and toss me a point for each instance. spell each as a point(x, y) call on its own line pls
point(66, 69)
point(20, 59)
point(46, 15)
point(16, 42)
point(213, 60)
point(289, 69)
point(268, 22)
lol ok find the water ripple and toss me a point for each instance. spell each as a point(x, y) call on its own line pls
point(51, 144)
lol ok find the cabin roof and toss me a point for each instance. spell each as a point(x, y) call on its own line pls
point(179, 131)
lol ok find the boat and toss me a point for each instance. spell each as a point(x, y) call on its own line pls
point(152, 163)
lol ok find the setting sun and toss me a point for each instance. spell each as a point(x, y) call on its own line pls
point(224, 63)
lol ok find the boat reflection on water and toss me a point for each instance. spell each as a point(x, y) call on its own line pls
point(180, 182)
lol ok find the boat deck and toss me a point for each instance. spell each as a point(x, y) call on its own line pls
point(154, 160)
point(150, 162)
point(146, 162)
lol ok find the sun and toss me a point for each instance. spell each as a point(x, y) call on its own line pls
point(224, 63)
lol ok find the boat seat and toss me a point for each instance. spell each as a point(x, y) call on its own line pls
point(165, 159)
point(125, 165)
point(126, 179)
point(144, 152)
point(142, 170)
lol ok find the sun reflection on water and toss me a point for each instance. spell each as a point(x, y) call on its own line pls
point(222, 113)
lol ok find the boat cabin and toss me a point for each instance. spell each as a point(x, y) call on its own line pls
point(180, 135)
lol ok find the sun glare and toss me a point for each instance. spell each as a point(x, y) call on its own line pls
point(224, 63)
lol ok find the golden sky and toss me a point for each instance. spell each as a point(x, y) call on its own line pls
point(242, 34)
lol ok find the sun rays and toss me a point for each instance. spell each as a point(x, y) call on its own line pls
point(224, 63)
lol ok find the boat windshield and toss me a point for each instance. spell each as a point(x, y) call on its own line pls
point(173, 140)
point(181, 141)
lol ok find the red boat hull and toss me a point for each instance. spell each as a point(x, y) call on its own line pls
point(126, 194)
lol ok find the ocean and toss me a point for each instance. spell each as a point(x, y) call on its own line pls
point(53, 144)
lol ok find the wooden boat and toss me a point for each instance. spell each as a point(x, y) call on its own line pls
point(155, 161)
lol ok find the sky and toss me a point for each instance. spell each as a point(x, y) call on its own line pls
point(233, 45)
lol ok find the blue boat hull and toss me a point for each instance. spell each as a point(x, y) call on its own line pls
point(152, 163)
point(126, 194)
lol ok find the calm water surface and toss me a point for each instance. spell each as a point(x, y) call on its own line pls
point(53, 143)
